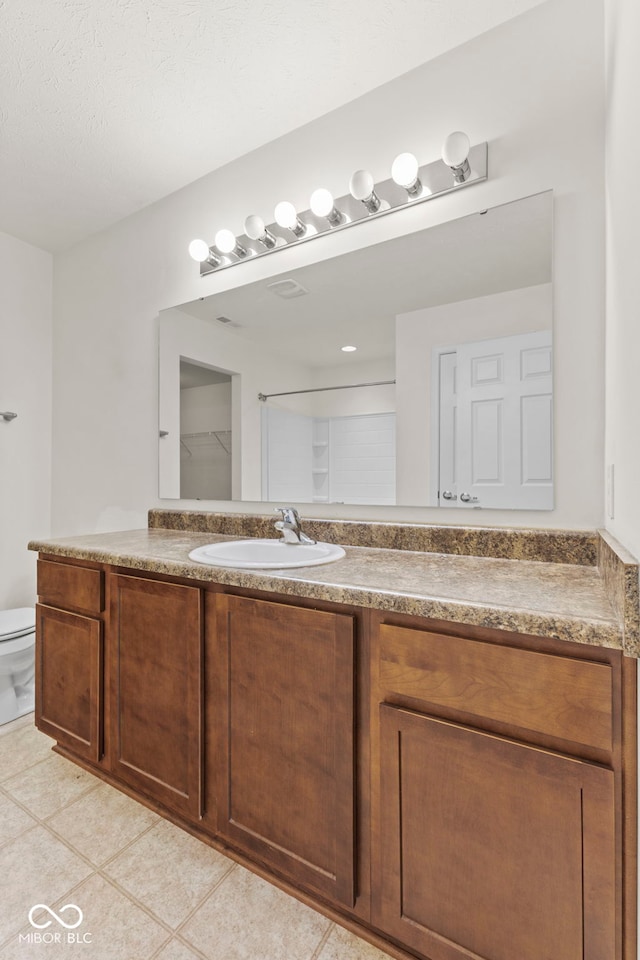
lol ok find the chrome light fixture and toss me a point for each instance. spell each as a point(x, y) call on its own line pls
point(410, 183)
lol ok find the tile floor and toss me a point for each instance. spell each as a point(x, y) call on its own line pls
point(146, 889)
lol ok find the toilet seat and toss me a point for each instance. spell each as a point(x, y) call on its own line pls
point(16, 644)
point(14, 624)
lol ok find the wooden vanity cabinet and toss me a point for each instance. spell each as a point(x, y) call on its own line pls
point(70, 656)
point(285, 739)
point(156, 648)
point(459, 792)
point(494, 812)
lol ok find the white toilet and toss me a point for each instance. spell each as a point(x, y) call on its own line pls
point(17, 662)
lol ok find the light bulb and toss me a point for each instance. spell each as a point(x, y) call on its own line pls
point(455, 153)
point(285, 216)
point(226, 243)
point(199, 250)
point(362, 187)
point(348, 349)
point(322, 205)
point(255, 229)
point(404, 171)
point(321, 202)
point(455, 149)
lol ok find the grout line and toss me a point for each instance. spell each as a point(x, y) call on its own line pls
point(43, 821)
point(19, 836)
point(183, 943)
point(26, 769)
point(207, 895)
point(98, 867)
point(318, 950)
point(147, 909)
point(137, 903)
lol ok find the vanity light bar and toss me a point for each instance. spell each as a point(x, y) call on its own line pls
point(460, 166)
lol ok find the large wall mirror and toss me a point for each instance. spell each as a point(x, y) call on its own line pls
point(446, 400)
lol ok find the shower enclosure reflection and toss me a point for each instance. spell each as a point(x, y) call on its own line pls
point(447, 399)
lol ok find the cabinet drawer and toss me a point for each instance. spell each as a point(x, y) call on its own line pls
point(556, 696)
point(71, 587)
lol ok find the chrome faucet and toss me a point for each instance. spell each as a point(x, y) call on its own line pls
point(290, 526)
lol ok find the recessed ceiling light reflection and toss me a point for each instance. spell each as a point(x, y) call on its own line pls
point(348, 349)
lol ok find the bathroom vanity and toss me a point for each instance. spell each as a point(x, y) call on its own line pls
point(435, 748)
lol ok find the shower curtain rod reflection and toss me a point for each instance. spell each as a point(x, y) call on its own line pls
point(346, 386)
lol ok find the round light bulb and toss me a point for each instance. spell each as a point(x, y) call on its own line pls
point(404, 171)
point(348, 349)
point(199, 250)
point(361, 185)
point(225, 241)
point(285, 215)
point(455, 149)
point(254, 227)
point(321, 202)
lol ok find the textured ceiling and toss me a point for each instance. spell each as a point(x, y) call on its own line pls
point(109, 105)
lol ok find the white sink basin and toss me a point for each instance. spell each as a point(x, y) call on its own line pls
point(266, 554)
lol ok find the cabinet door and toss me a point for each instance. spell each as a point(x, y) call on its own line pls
point(69, 680)
point(492, 849)
point(286, 748)
point(156, 646)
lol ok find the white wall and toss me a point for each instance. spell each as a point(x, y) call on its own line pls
point(25, 388)
point(623, 300)
point(533, 88)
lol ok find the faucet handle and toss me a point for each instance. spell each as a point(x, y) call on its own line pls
point(289, 515)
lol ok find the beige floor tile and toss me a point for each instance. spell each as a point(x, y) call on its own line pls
point(21, 748)
point(342, 945)
point(13, 725)
point(117, 928)
point(50, 785)
point(13, 820)
point(102, 822)
point(247, 918)
point(39, 869)
point(185, 870)
point(177, 951)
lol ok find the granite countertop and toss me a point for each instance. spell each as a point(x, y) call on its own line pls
point(567, 601)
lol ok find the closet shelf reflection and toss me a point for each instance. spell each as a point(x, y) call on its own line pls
point(220, 438)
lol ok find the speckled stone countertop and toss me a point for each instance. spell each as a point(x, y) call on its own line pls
point(571, 601)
